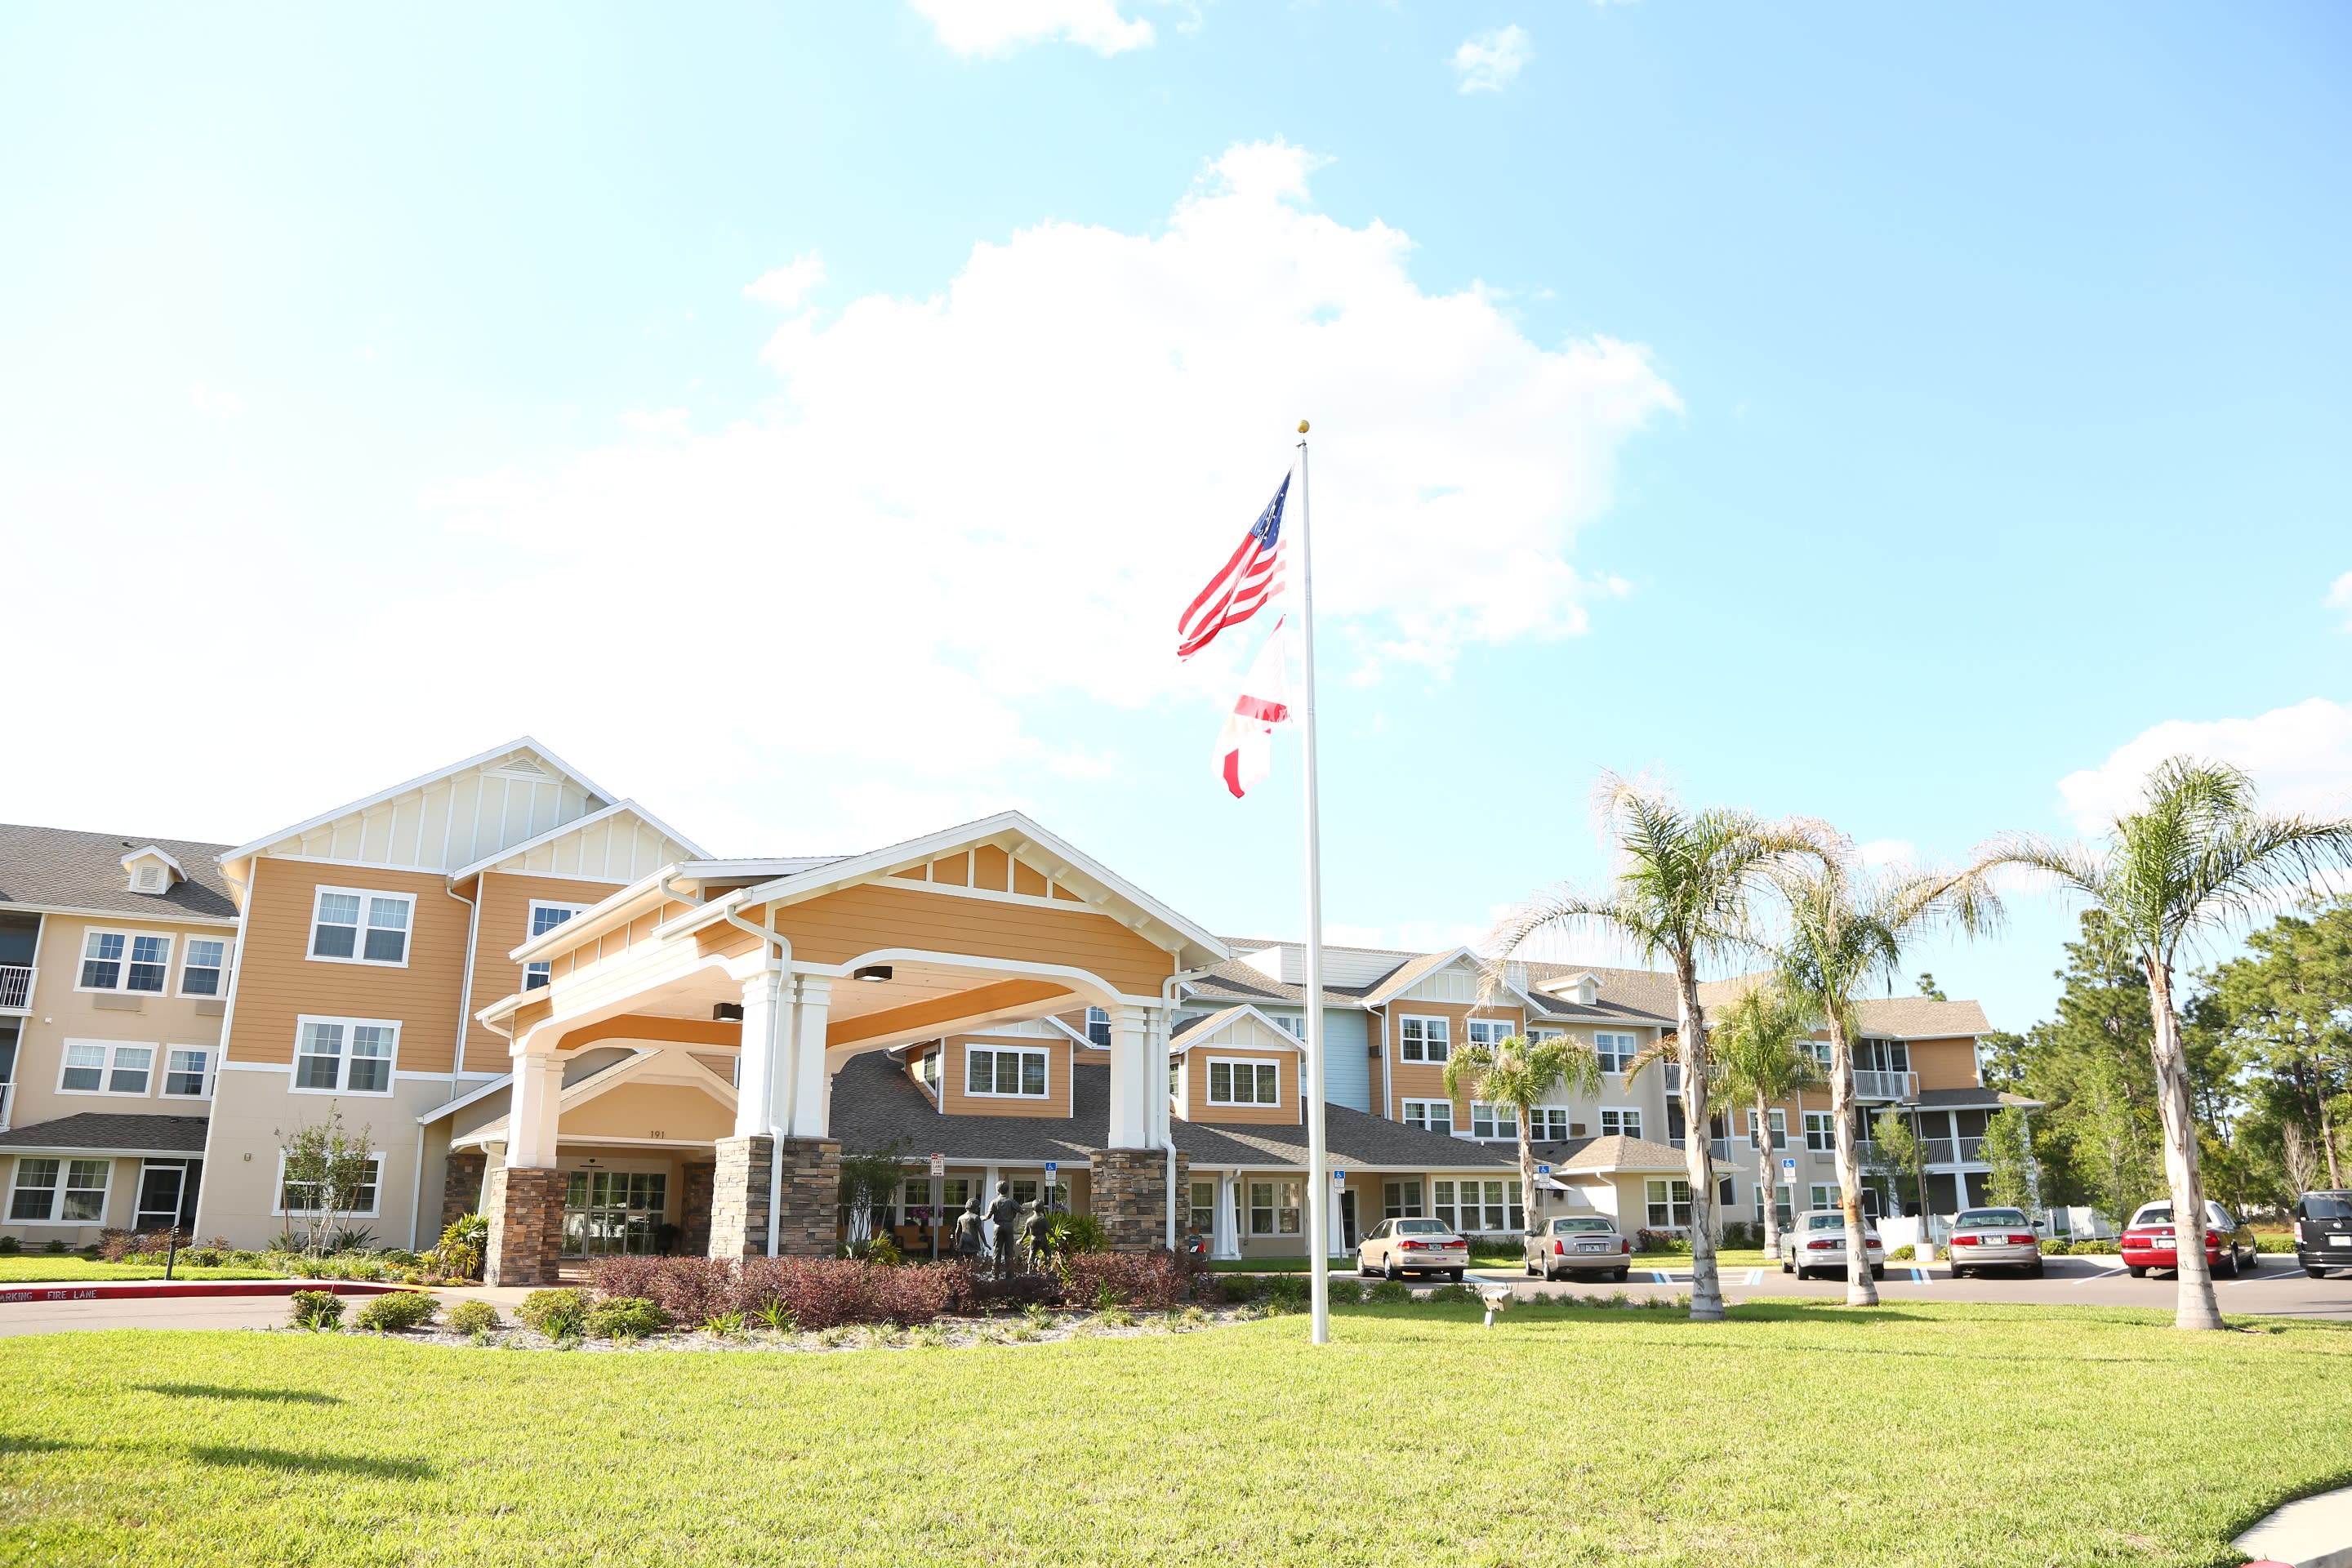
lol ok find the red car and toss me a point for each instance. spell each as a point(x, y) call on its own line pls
point(2147, 1242)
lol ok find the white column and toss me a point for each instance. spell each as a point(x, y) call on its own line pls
point(1338, 1243)
point(988, 1201)
point(534, 1106)
point(765, 1049)
point(1224, 1241)
point(812, 1008)
point(1130, 1075)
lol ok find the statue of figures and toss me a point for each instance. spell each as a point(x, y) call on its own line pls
point(1035, 1224)
point(970, 1239)
point(1006, 1216)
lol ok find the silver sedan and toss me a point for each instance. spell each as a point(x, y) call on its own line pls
point(1994, 1239)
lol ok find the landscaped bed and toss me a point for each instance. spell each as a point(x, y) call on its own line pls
point(1794, 1434)
point(40, 1269)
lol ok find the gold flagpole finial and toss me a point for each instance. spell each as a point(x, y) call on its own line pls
point(1302, 427)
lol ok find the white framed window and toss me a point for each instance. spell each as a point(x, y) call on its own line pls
point(1821, 1049)
point(1098, 1026)
point(1430, 1115)
point(124, 960)
point(1780, 1124)
point(357, 925)
point(1274, 1209)
point(345, 1056)
point(106, 1067)
point(1493, 1121)
point(1548, 1123)
point(59, 1192)
point(1425, 1040)
point(927, 1069)
point(1004, 1072)
point(1488, 1032)
point(1401, 1200)
point(1826, 1196)
point(1615, 1051)
point(204, 966)
point(1238, 1082)
point(544, 918)
point(187, 1072)
point(1539, 1035)
point(296, 1199)
point(1295, 1027)
point(1821, 1132)
point(1479, 1206)
point(1621, 1119)
point(1204, 1207)
point(1781, 1206)
point(1668, 1203)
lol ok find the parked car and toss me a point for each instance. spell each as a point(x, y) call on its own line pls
point(1994, 1239)
point(2147, 1241)
point(1396, 1248)
point(1578, 1245)
point(2322, 1231)
point(1819, 1247)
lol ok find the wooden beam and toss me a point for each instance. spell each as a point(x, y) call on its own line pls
point(943, 1010)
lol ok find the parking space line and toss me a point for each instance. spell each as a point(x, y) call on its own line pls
point(1756, 1277)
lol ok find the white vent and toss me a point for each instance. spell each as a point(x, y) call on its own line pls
point(521, 768)
point(150, 878)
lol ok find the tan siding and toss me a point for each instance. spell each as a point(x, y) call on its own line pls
point(1196, 1072)
point(955, 870)
point(1026, 879)
point(1426, 1081)
point(506, 897)
point(642, 1026)
point(992, 868)
point(845, 924)
point(58, 1013)
point(652, 1111)
point(958, 1103)
point(277, 982)
point(1945, 1064)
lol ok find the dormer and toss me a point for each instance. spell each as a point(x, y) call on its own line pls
point(152, 871)
point(1584, 989)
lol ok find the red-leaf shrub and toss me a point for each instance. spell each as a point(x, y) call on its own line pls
point(914, 1294)
point(692, 1290)
point(827, 1292)
point(1155, 1282)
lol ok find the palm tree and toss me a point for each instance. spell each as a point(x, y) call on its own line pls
point(1513, 1072)
point(1763, 1041)
point(1682, 889)
point(2195, 859)
point(1846, 927)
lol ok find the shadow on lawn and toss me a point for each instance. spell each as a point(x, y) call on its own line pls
point(11, 1445)
point(222, 1391)
point(330, 1464)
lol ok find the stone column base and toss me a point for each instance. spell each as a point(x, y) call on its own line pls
point(461, 1186)
point(808, 1220)
point(525, 1208)
point(1131, 1196)
point(694, 1208)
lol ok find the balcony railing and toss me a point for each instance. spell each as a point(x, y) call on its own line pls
point(16, 987)
point(1674, 1078)
point(7, 1104)
point(1871, 1084)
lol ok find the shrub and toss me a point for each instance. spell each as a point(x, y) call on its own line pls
point(1451, 1293)
point(114, 1246)
point(1346, 1292)
point(465, 1241)
point(57, 1247)
point(1237, 1289)
point(10, 1245)
point(395, 1314)
point(625, 1318)
point(321, 1309)
point(916, 1295)
point(1389, 1290)
point(558, 1314)
point(1073, 1233)
point(355, 1238)
point(474, 1318)
point(883, 1248)
point(1289, 1292)
point(1742, 1233)
point(1661, 1241)
point(1903, 1255)
point(203, 1257)
point(1155, 1282)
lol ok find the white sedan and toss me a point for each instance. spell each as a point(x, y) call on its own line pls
point(1819, 1247)
point(1396, 1248)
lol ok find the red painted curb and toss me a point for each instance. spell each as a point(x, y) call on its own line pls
point(135, 1290)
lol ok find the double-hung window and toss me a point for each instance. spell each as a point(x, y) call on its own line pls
point(204, 964)
point(1615, 1051)
point(1480, 1206)
point(345, 1056)
point(544, 918)
point(1826, 1196)
point(353, 925)
point(1244, 1082)
point(1204, 1207)
point(1401, 1200)
point(187, 1072)
point(1274, 1209)
point(1821, 1132)
point(1822, 1053)
point(302, 1197)
point(59, 1192)
point(1430, 1115)
point(1626, 1120)
point(1098, 1026)
point(1488, 1032)
point(1493, 1121)
point(1779, 1128)
point(1548, 1123)
point(1425, 1040)
point(102, 1066)
point(1016, 1072)
point(1668, 1203)
point(125, 961)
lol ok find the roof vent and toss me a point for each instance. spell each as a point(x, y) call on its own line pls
point(152, 870)
point(521, 768)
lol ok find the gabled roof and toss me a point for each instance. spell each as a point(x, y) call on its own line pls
point(1613, 1151)
point(580, 824)
point(109, 1133)
point(1196, 1031)
point(62, 870)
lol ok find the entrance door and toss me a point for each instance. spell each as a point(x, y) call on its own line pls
point(167, 1195)
point(1347, 1219)
point(608, 1211)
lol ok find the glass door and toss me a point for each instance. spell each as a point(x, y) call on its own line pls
point(167, 1195)
point(612, 1212)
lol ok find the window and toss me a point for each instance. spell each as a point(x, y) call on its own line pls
point(927, 1069)
point(119, 961)
point(545, 918)
point(1000, 1072)
point(1430, 1115)
point(1548, 1123)
point(200, 967)
point(346, 1056)
point(954, 1193)
point(101, 1066)
point(1295, 1027)
point(1401, 1200)
point(59, 1192)
point(1098, 1026)
point(1882, 1056)
point(1493, 1121)
point(1779, 1128)
point(1627, 1122)
point(1204, 1207)
point(1615, 1051)
point(1821, 1049)
point(1480, 1205)
point(1780, 1206)
point(1274, 1209)
point(1489, 1032)
point(355, 926)
point(1425, 1040)
point(1244, 1083)
point(1826, 1196)
point(1669, 1204)
point(187, 1072)
point(300, 1197)
point(1821, 1132)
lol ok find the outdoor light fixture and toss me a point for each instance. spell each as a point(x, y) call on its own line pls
point(727, 1011)
point(876, 972)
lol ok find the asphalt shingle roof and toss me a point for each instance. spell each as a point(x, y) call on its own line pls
point(109, 1132)
point(1614, 1152)
point(59, 867)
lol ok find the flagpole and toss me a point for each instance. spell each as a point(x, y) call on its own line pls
point(1319, 1179)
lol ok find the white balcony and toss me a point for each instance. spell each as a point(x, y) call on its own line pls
point(16, 987)
point(1870, 1084)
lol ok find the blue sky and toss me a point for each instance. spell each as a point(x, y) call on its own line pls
point(1916, 421)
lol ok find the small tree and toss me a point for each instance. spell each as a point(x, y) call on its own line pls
point(2009, 1150)
point(1896, 1152)
point(1520, 1074)
point(869, 1181)
point(327, 1171)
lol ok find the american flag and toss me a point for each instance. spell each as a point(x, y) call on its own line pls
point(1242, 587)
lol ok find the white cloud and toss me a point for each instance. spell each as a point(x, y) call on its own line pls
point(216, 401)
point(655, 421)
point(2299, 757)
point(1887, 852)
point(2339, 597)
point(1490, 61)
point(786, 286)
point(1001, 27)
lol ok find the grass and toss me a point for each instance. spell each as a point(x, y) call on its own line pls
point(2082, 1437)
point(42, 1268)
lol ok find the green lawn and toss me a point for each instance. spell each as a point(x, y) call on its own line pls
point(1794, 1434)
point(38, 1269)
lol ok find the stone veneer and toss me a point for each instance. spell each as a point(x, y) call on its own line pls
point(525, 1207)
point(461, 1187)
point(808, 1222)
point(1131, 1196)
point(695, 1178)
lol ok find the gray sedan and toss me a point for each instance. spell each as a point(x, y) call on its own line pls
point(1577, 1244)
point(1994, 1239)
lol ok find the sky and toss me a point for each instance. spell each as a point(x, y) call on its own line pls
point(808, 421)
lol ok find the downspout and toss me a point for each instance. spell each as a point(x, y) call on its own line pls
point(466, 986)
point(1166, 1116)
point(228, 1011)
point(779, 959)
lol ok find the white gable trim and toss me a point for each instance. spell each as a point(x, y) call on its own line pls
point(1217, 1030)
point(578, 823)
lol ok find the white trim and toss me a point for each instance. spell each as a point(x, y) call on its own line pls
point(1633, 1047)
point(1601, 1125)
point(360, 931)
point(530, 918)
point(66, 1163)
point(278, 1209)
point(1224, 1018)
point(1443, 1020)
point(1494, 1106)
point(449, 1108)
point(122, 965)
point(492, 862)
point(344, 1057)
point(164, 1070)
point(286, 1068)
point(227, 969)
point(1405, 1114)
point(1044, 1058)
point(107, 1069)
point(1208, 1087)
point(172, 916)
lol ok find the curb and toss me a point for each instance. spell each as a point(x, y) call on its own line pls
point(137, 1290)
